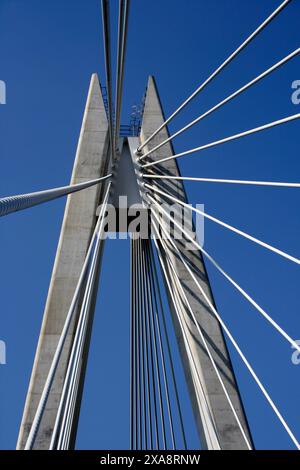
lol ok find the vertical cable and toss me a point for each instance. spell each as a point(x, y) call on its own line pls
point(132, 344)
point(158, 378)
point(64, 415)
point(142, 347)
point(164, 372)
point(147, 337)
point(138, 354)
point(164, 263)
point(107, 56)
point(122, 40)
point(59, 349)
point(136, 395)
point(156, 289)
point(150, 330)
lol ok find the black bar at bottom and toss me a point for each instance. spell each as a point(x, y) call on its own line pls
point(133, 459)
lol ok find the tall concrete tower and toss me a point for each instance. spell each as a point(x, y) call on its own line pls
point(78, 224)
point(216, 423)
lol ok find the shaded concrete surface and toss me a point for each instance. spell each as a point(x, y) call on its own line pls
point(78, 225)
point(226, 430)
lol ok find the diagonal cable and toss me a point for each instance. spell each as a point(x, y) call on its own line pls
point(20, 202)
point(255, 130)
point(226, 181)
point(280, 330)
point(225, 225)
point(217, 71)
point(224, 101)
point(245, 361)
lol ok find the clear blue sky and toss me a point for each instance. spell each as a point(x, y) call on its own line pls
point(48, 50)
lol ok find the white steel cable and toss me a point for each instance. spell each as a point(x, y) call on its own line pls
point(122, 40)
point(119, 74)
point(60, 431)
point(138, 352)
point(230, 279)
point(215, 367)
point(20, 202)
point(142, 346)
point(178, 283)
point(158, 373)
point(158, 306)
point(245, 361)
point(152, 343)
point(217, 71)
point(57, 355)
point(163, 362)
point(132, 350)
point(211, 436)
point(215, 180)
point(224, 224)
point(224, 101)
point(146, 335)
point(225, 140)
point(107, 56)
point(69, 395)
